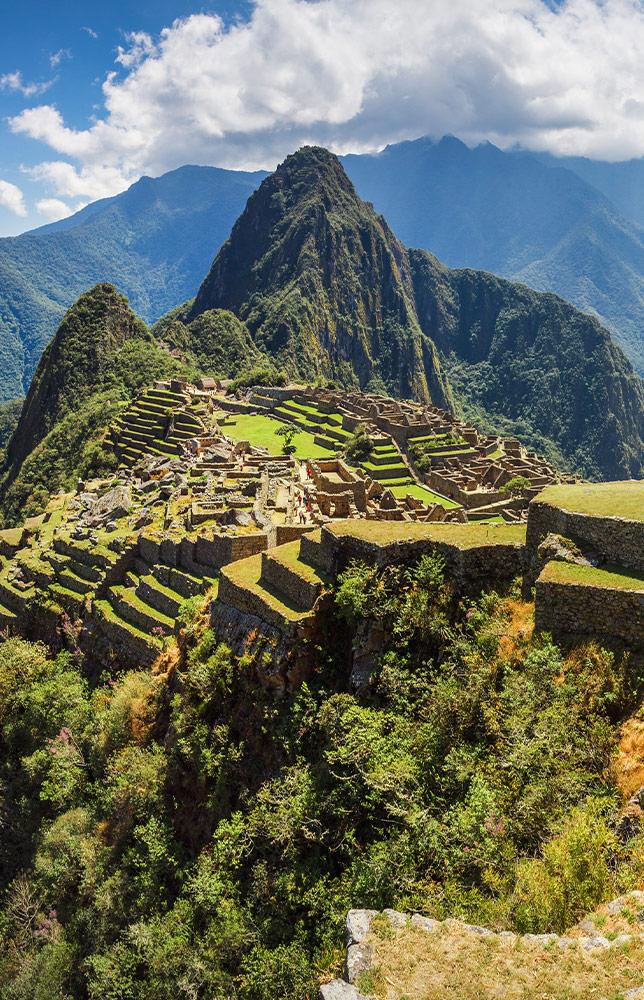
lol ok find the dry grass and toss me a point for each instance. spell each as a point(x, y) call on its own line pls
point(629, 762)
point(453, 964)
point(518, 627)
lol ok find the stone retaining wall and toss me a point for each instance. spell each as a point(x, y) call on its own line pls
point(302, 593)
point(359, 954)
point(570, 610)
point(615, 540)
point(470, 570)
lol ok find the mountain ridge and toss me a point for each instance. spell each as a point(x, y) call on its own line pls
point(545, 225)
point(298, 272)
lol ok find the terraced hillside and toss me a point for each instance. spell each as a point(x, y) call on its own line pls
point(386, 463)
point(156, 423)
point(125, 587)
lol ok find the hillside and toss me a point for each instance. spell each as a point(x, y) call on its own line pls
point(518, 217)
point(325, 288)
point(322, 283)
point(531, 359)
point(154, 241)
point(101, 353)
point(173, 828)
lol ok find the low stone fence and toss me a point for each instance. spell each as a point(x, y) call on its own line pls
point(615, 540)
point(359, 953)
point(570, 610)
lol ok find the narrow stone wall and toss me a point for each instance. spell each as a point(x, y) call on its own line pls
point(570, 610)
point(615, 540)
point(360, 958)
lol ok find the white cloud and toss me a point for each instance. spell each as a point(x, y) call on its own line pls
point(53, 209)
point(12, 198)
point(354, 75)
point(139, 45)
point(56, 58)
point(14, 82)
point(90, 31)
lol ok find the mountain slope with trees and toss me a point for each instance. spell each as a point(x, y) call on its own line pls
point(518, 217)
point(516, 214)
point(325, 288)
point(100, 356)
point(154, 242)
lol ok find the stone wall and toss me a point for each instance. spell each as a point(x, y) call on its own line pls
point(471, 570)
point(571, 610)
point(205, 552)
point(360, 958)
point(300, 592)
point(615, 540)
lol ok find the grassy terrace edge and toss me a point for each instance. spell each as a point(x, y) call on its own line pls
point(619, 499)
point(611, 578)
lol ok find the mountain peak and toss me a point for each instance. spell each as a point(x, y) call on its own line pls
point(322, 283)
point(74, 363)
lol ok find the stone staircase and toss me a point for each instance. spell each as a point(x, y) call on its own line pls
point(157, 423)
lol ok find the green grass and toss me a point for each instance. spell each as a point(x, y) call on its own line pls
point(289, 556)
point(261, 431)
point(422, 493)
point(105, 610)
point(464, 536)
point(618, 499)
point(611, 578)
point(246, 574)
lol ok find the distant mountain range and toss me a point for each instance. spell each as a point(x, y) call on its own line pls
point(154, 242)
point(519, 215)
point(312, 283)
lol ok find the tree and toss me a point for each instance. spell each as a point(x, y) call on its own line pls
point(288, 432)
point(516, 486)
point(359, 446)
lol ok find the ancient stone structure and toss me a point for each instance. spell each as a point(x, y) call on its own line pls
point(359, 958)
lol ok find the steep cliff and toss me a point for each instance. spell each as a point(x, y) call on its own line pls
point(323, 284)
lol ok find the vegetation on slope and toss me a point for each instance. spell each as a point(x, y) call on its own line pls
point(216, 342)
point(101, 355)
point(534, 364)
point(185, 834)
point(322, 283)
point(531, 221)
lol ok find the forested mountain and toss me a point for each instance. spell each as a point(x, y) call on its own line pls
point(324, 287)
point(101, 354)
point(517, 217)
point(154, 241)
point(622, 182)
point(311, 281)
point(322, 283)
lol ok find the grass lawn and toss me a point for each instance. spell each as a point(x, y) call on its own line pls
point(454, 964)
point(246, 574)
point(289, 555)
point(619, 499)
point(261, 431)
point(422, 493)
point(589, 576)
point(465, 536)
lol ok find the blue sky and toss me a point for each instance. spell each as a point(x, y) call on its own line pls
point(93, 95)
point(81, 38)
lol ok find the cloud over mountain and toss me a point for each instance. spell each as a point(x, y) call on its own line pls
point(357, 74)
